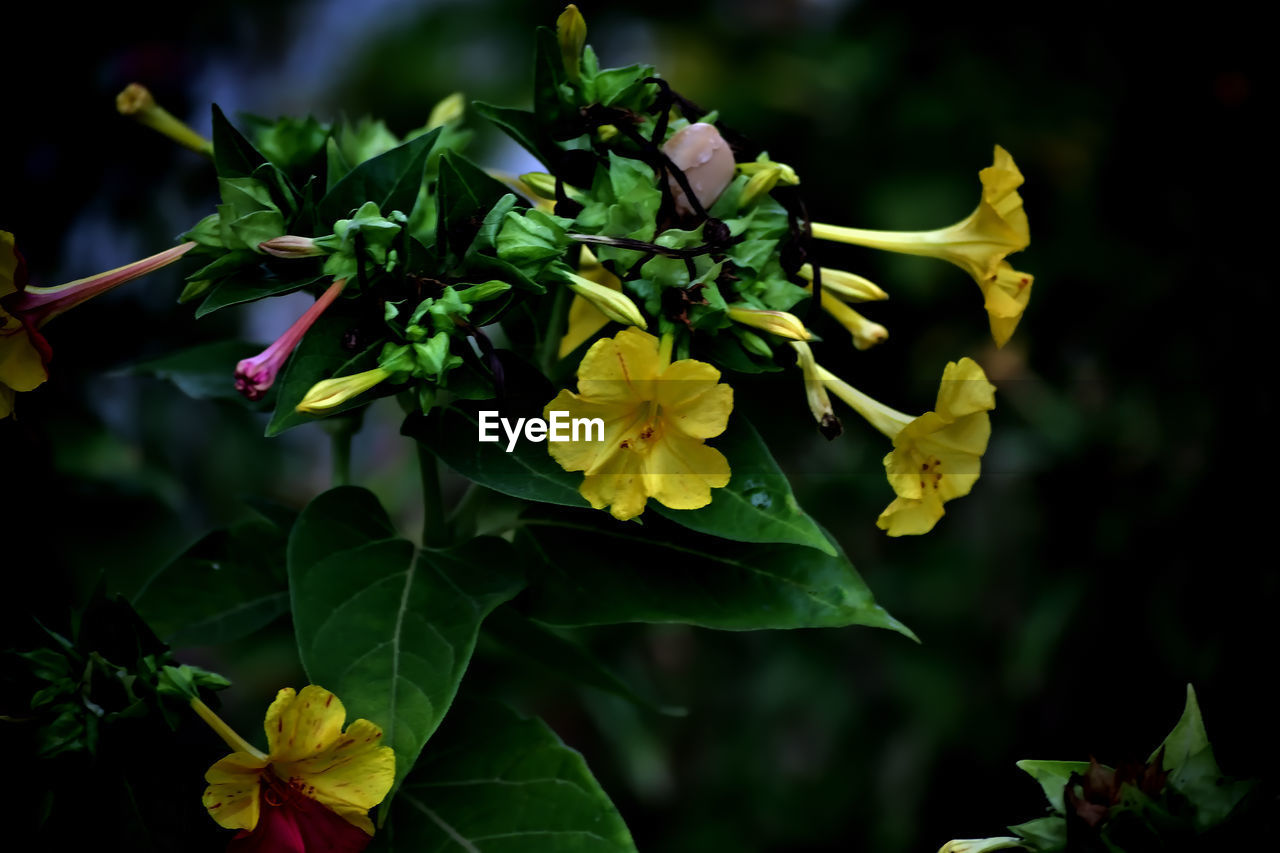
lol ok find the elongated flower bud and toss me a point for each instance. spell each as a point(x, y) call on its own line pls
point(816, 392)
point(614, 304)
point(331, 393)
point(446, 110)
point(571, 33)
point(39, 305)
point(845, 285)
point(706, 160)
point(780, 323)
point(254, 376)
point(866, 333)
point(137, 102)
point(290, 246)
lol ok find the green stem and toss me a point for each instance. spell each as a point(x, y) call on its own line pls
point(340, 442)
point(550, 348)
point(435, 532)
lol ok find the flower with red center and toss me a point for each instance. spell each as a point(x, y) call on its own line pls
point(313, 788)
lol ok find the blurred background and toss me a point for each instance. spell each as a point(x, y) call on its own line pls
point(1114, 550)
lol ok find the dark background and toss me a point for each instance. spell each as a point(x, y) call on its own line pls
point(1117, 547)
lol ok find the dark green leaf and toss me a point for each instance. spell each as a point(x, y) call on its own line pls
point(1048, 834)
point(233, 155)
point(390, 181)
point(203, 372)
point(465, 193)
point(390, 629)
point(562, 657)
point(593, 570)
point(237, 290)
point(495, 782)
point(522, 126)
point(757, 505)
point(321, 355)
point(226, 586)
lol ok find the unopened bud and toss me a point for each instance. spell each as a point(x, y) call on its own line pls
point(846, 285)
point(571, 32)
point(866, 333)
point(137, 101)
point(447, 110)
point(780, 323)
point(614, 304)
point(331, 393)
point(290, 246)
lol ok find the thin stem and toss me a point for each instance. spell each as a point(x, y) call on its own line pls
point(435, 531)
point(224, 731)
point(340, 445)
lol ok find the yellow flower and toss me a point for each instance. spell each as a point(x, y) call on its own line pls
point(331, 393)
point(23, 351)
point(657, 416)
point(936, 457)
point(978, 244)
point(309, 760)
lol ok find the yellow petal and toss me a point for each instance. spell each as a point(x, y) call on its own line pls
point(583, 455)
point(350, 776)
point(693, 400)
point(906, 517)
point(1006, 295)
point(620, 369)
point(8, 265)
point(619, 485)
point(303, 724)
point(21, 367)
point(232, 795)
point(680, 472)
point(964, 390)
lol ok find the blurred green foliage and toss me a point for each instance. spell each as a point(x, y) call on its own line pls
point(1113, 551)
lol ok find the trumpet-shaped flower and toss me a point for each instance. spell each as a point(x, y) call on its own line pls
point(254, 376)
point(312, 789)
point(978, 244)
point(23, 351)
point(657, 417)
point(936, 457)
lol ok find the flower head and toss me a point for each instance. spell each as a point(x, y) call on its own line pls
point(657, 416)
point(313, 788)
point(978, 244)
point(936, 457)
point(24, 353)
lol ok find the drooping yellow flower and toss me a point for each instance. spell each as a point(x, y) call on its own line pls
point(936, 457)
point(23, 351)
point(310, 761)
point(657, 416)
point(978, 244)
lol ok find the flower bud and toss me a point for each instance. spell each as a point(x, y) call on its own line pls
point(137, 101)
point(613, 304)
point(780, 323)
point(290, 246)
point(331, 393)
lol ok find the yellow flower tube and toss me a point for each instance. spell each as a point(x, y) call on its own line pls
point(978, 244)
point(866, 333)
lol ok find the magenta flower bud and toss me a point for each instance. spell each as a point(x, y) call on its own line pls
point(254, 376)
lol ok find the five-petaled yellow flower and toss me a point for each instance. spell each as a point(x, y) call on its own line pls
point(316, 782)
point(936, 457)
point(657, 416)
point(978, 244)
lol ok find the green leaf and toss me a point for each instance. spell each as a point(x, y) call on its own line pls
point(1187, 739)
point(1046, 834)
point(205, 372)
point(522, 126)
point(233, 155)
point(226, 586)
point(237, 290)
point(561, 656)
point(494, 782)
point(1053, 777)
point(465, 193)
point(386, 627)
point(758, 504)
point(321, 355)
point(390, 181)
point(592, 570)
